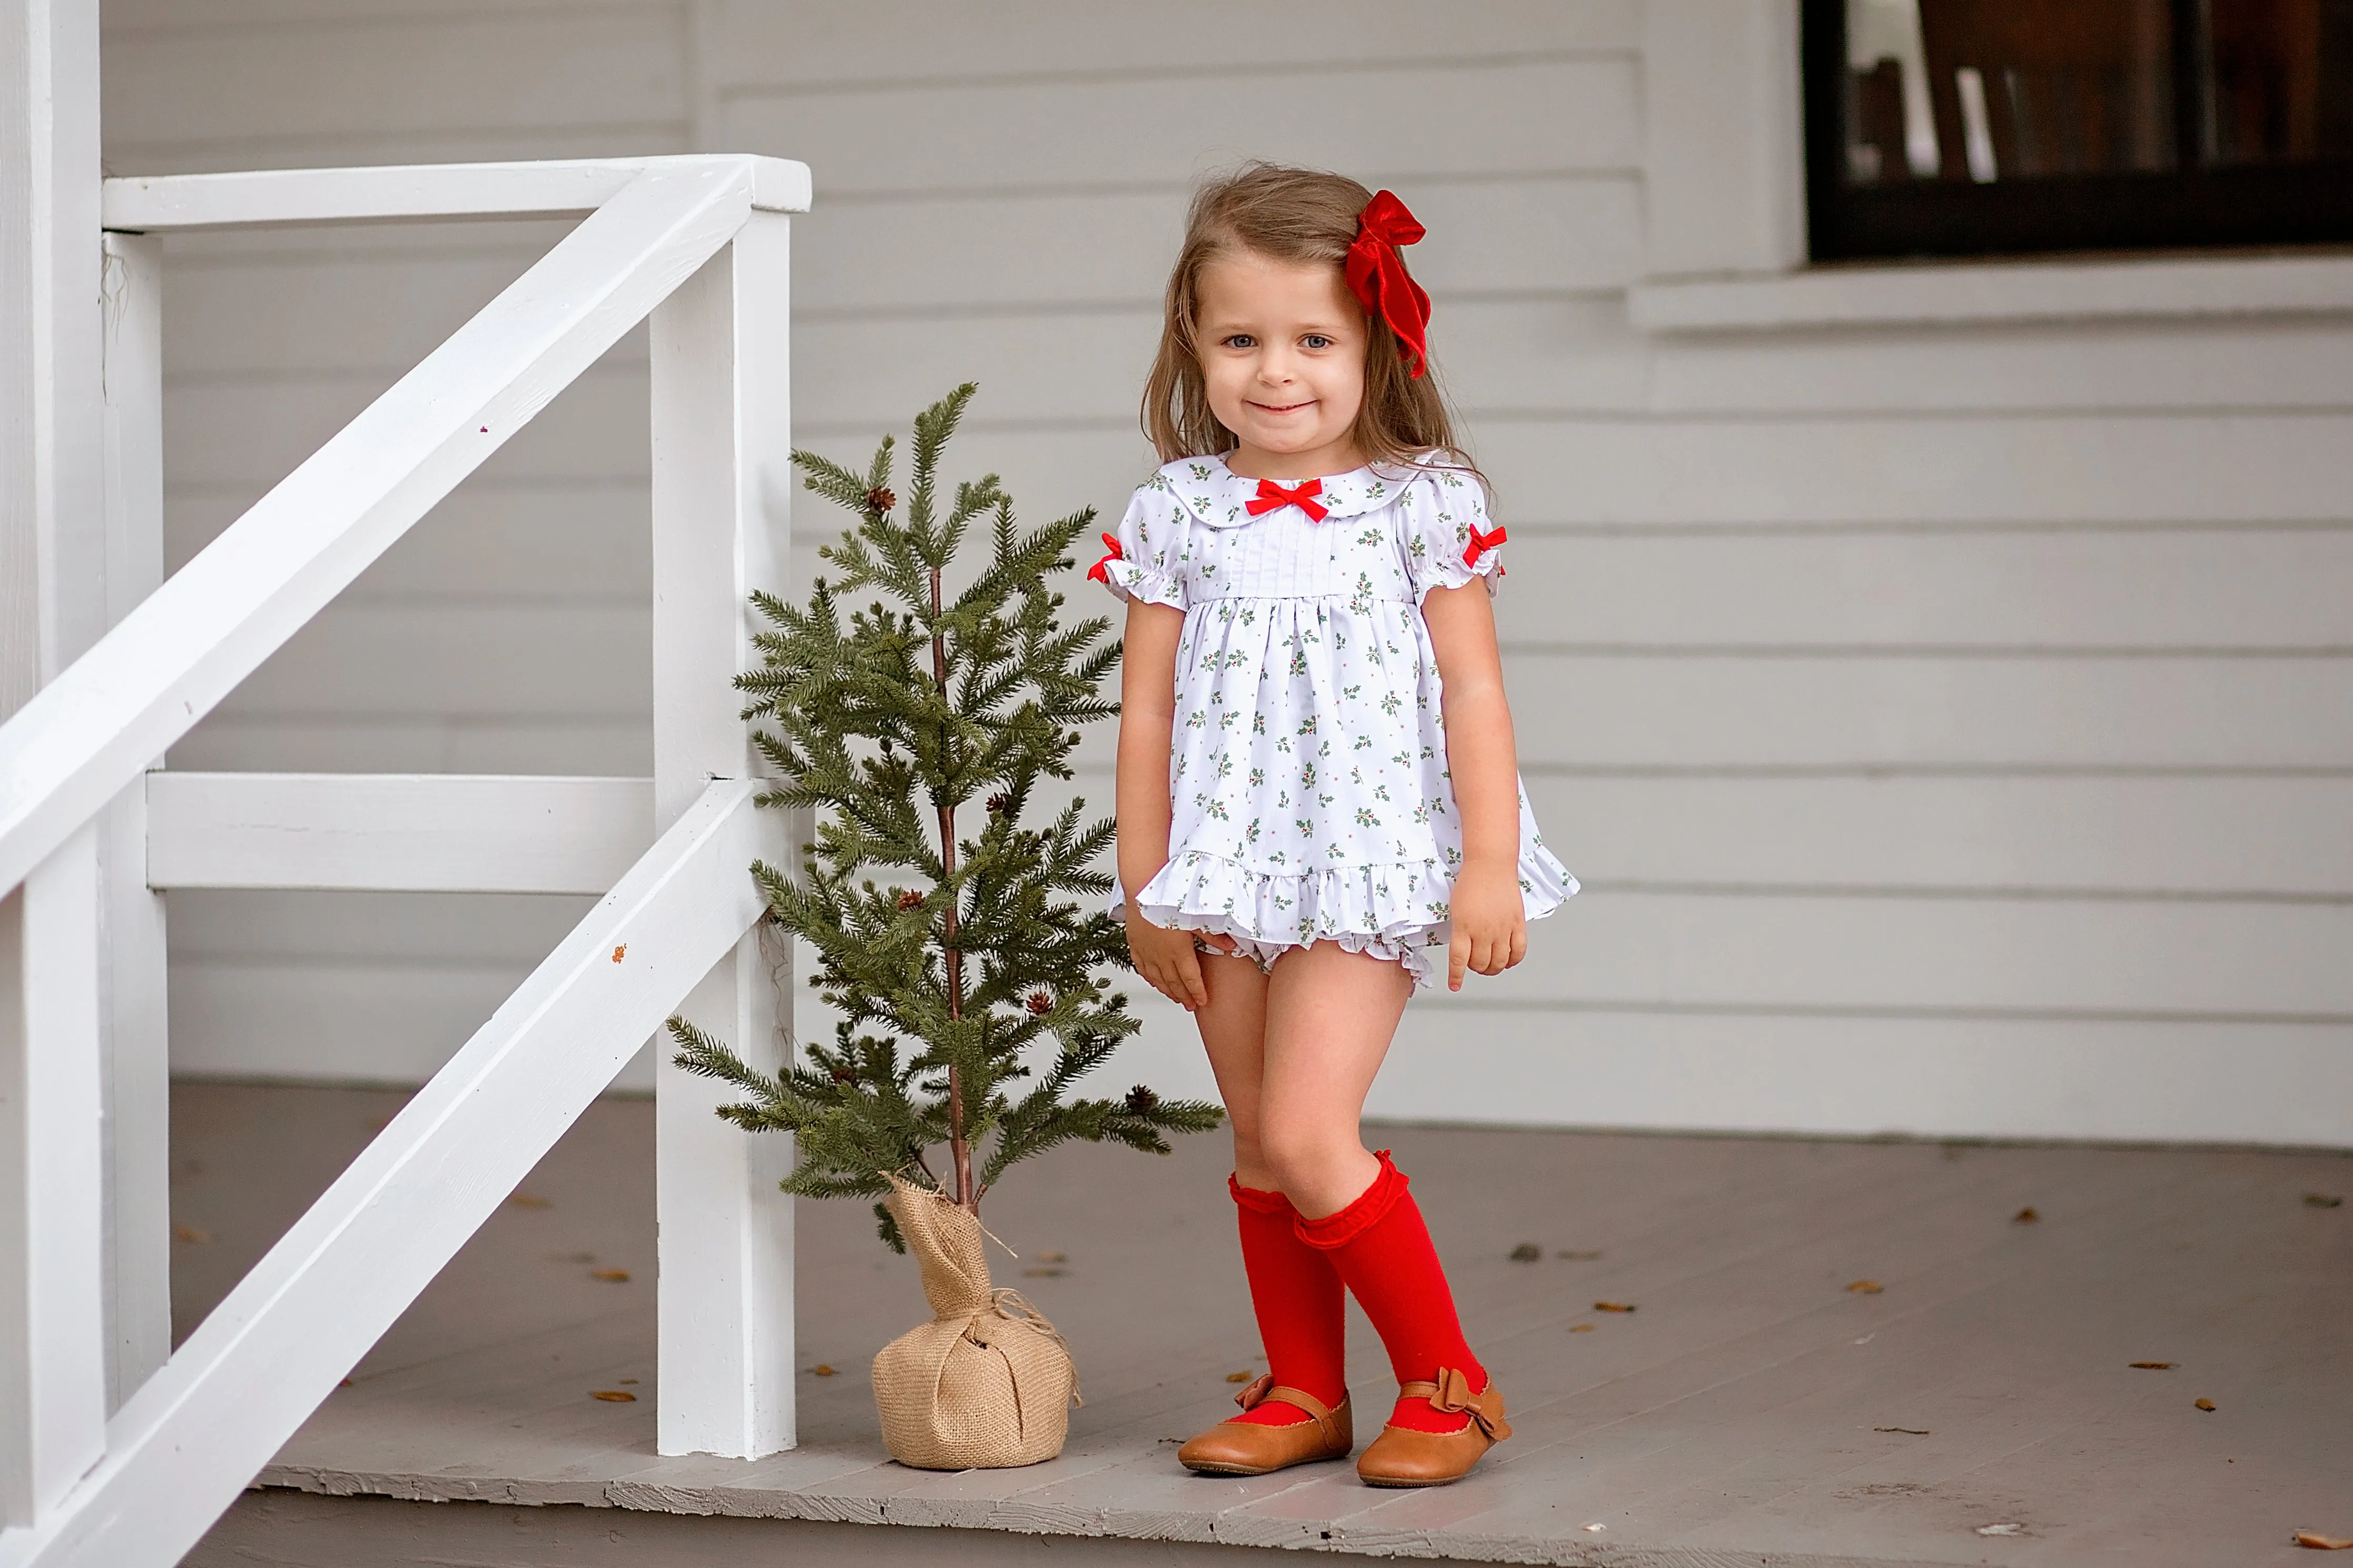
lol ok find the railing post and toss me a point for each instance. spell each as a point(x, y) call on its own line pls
point(52, 1286)
point(132, 1009)
point(52, 578)
point(722, 489)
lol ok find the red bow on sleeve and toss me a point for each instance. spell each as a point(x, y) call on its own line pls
point(1376, 274)
point(1301, 495)
point(1100, 571)
point(1480, 544)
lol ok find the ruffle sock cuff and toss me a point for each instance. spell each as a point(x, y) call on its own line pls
point(1367, 1209)
point(1256, 1201)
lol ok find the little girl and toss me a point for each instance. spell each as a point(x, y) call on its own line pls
point(1319, 800)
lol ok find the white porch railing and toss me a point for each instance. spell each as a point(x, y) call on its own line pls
point(698, 245)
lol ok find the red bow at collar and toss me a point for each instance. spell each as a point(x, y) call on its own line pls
point(1301, 495)
point(1377, 275)
point(1480, 544)
point(1100, 571)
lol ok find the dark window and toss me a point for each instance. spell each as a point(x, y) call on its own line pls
point(1984, 127)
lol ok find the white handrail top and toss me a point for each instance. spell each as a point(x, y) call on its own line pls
point(559, 188)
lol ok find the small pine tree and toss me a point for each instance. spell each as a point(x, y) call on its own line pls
point(972, 948)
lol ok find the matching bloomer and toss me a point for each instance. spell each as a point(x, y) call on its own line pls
point(1308, 782)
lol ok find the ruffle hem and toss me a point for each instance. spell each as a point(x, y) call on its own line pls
point(1379, 910)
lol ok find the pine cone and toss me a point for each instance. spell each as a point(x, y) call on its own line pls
point(843, 1075)
point(910, 900)
point(1141, 1101)
point(879, 501)
point(1040, 1003)
point(997, 804)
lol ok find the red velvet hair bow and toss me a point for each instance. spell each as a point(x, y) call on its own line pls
point(1376, 274)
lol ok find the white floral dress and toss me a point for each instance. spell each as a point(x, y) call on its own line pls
point(1307, 772)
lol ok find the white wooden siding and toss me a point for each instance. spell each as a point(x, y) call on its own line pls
point(1953, 725)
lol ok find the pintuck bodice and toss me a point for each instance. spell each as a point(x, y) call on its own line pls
point(1285, 555)
point(1308, 778)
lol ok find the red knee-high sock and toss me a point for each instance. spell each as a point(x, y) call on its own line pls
point(1383, 1253)
point(1297, 1296)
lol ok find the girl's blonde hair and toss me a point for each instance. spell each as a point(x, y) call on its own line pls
point(1300, 215)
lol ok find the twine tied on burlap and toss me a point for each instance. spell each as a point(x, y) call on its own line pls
point(987, 1383)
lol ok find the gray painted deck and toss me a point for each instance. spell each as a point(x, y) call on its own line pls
point(1980, 1408)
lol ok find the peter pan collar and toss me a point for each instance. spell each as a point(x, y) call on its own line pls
point(1219, 497)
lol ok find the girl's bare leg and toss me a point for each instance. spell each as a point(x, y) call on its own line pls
point(1233, 1031)
point(1328, 1016)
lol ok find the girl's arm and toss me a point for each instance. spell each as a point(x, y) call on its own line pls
point(1490, 924)
point(1148, 718)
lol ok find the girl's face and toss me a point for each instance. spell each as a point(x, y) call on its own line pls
point(1282, 347)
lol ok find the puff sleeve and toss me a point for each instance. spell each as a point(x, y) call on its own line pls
point(1448, 537)
point(1142, 562)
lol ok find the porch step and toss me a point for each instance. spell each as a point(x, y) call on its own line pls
point(296, 1530)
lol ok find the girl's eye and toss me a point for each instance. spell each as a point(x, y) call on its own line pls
point(1315, 340)
point(1240, 340)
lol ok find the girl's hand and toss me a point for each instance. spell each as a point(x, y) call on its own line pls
point(1490, 924)
point(1168, 961)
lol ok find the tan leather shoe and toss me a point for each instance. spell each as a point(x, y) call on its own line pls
point(1401, 1457)
point(1249, 1449)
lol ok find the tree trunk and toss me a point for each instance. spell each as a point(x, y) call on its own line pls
point(967, 1198)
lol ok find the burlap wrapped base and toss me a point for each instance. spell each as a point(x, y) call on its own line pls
point(987, 1383)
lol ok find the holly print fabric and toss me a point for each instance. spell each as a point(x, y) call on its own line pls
point(1307, 770)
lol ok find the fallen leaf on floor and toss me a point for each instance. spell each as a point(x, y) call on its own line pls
point(1908, 1431)
point(2204, 1403)
point(823, 1369)
point(1866, 1287)
point(2324, 1200)
point(613, 1395)
point(2320, 1543)
point(620, 951)
point(2025, 1216)
point(1612, 1307)
point(1238, 1377)
point(1526, 1252)
point(345, 1384)
point(1580, 1327)
point(1053, 1257)
point(2151, 1365)
point(1043, 1273)
point(1575, 1256)
point(191, 1234)
point(624, 1382)
point(610, 1276)
point(531, 1201)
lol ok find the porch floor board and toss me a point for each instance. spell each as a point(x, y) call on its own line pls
point(1750, 1409)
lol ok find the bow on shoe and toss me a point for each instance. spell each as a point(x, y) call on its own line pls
point(1451, 1396)
point(1377, 277)
point(1481, 543)
point(1301, 495)
point(1100, 571)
